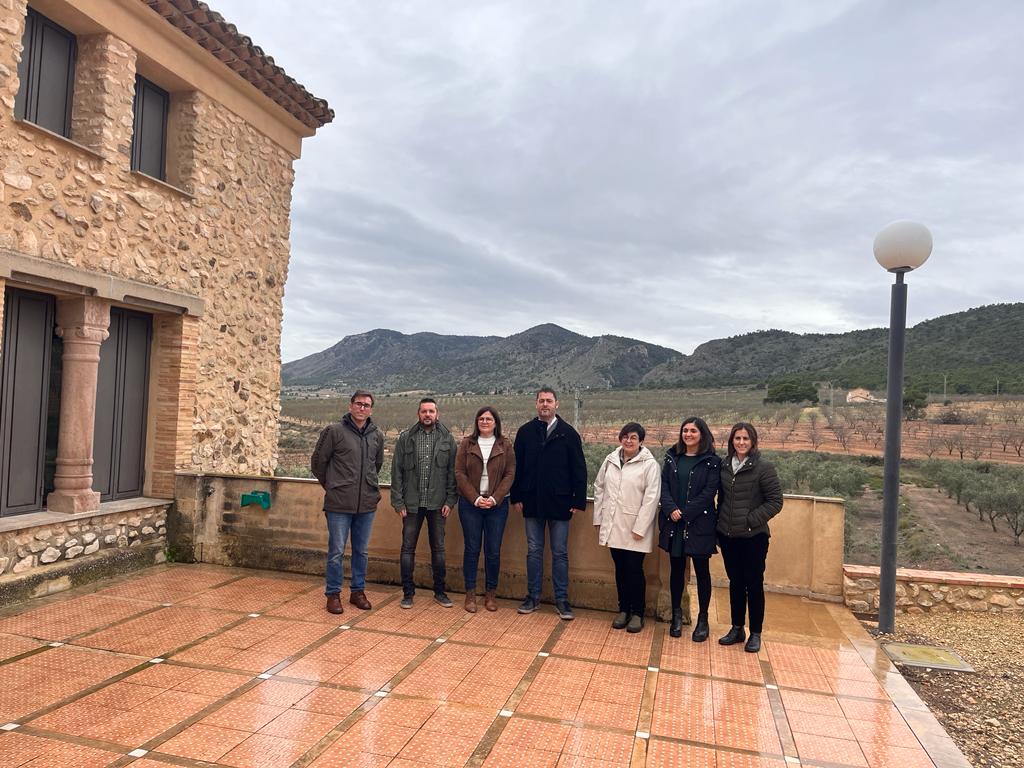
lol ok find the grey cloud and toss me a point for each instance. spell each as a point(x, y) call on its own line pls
point(672, 171)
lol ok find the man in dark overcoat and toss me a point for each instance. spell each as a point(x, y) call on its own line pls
point(550, 487)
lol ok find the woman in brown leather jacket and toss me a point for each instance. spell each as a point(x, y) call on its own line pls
point(485, 466)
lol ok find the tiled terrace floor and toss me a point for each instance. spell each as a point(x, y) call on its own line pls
point(198, 665)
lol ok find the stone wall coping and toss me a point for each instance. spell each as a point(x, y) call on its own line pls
point(270, 478)
point(29, 125)
point(54, 275)
point(45, 518)
point(165, 185)
point(938, 577)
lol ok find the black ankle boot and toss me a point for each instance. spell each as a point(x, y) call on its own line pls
point(753, 643)
point(733, 636)
point(700, 632)
point(676, 630)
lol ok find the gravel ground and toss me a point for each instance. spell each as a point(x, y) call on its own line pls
point(983, 712)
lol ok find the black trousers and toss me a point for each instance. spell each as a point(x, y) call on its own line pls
point(630, 580)
point(744, 564)
point(677, 578)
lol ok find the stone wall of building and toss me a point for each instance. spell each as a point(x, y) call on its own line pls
point(934, 591)
point(219, 233)
point(31, 548)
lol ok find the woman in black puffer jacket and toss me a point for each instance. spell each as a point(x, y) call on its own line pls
point(750, 496)
point(689, 483)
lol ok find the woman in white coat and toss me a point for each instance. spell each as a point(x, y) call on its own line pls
point(626, 494)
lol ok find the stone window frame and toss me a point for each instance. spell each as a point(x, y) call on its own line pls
point(26, 105)
point(142, 118)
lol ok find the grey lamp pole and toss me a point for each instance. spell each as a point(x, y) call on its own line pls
point(900, 247)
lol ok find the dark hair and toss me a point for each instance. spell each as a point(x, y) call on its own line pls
point(428, 400)
point(361, 393)
point(730, 450)
point(633, 427)
point(497, 421)
point(549, 390)
point(707, 440)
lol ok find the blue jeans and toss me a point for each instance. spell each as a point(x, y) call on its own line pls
point(559, 533)
point(487, 525)
point(338, 526)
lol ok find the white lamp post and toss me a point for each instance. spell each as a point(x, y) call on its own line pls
point(900, 247)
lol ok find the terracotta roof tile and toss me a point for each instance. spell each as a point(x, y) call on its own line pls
point(222, 39)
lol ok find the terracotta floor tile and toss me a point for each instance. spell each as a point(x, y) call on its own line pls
point(742, 760)
point(885, 756)
point(802, 701)
point(604, 745)
point(378, 737)
point(330, 701)
point(892, 732)
point(203, 742)
point(244, 715)
point(262, 751)
point(438, 748)
point(710, 709)
point(410, 713)
point(825, 749)
point(343, 758)
point(280, 693)
point(515, 757)
point(579, 761)
point(300, 725)
point(665, 754)
point(820, 725)
point(525, 734)
point(608, 713)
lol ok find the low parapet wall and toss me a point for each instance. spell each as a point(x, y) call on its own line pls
point(209, 525)
point(934, 591)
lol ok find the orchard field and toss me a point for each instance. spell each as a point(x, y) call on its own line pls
point(963, 464)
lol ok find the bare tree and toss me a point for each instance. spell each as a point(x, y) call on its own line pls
point(842, 436)
point(813, 431)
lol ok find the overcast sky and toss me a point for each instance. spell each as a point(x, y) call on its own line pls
point(672, 171)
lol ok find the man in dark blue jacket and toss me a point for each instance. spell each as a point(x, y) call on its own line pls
point(550, 487)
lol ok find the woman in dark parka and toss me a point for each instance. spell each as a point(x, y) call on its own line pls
point(751, 495)
point(689, 483)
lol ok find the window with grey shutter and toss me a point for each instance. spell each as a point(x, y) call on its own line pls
point(149, 138)
point(46, 74)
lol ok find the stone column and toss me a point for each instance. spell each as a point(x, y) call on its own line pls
point(83, 323)
point(103, 114)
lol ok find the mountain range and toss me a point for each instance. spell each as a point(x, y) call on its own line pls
point(971, 349)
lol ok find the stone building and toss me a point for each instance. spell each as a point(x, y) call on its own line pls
point(146, 152)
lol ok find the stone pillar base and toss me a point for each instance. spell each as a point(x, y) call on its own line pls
point(73, 502)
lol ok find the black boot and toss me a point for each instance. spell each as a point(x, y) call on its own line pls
point(676, 630)
point(753, 643)
point(700, 632)
point(733, 636)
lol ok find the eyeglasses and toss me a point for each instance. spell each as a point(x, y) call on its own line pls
point(363, 405)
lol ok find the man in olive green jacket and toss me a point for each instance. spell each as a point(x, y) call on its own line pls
point(423, 488)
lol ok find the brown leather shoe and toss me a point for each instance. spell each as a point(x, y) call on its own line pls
point(334, 604)
point(358, 599)
point(471, 602)
point(489, 602)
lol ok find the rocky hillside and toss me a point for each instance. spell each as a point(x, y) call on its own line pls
point(972, 349)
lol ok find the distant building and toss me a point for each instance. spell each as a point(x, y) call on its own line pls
point(146, 153)
point(862, 396)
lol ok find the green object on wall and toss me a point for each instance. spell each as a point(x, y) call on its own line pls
point(256, 497)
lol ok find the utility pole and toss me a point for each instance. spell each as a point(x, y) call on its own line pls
point(578, 408)
point(945, 378)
